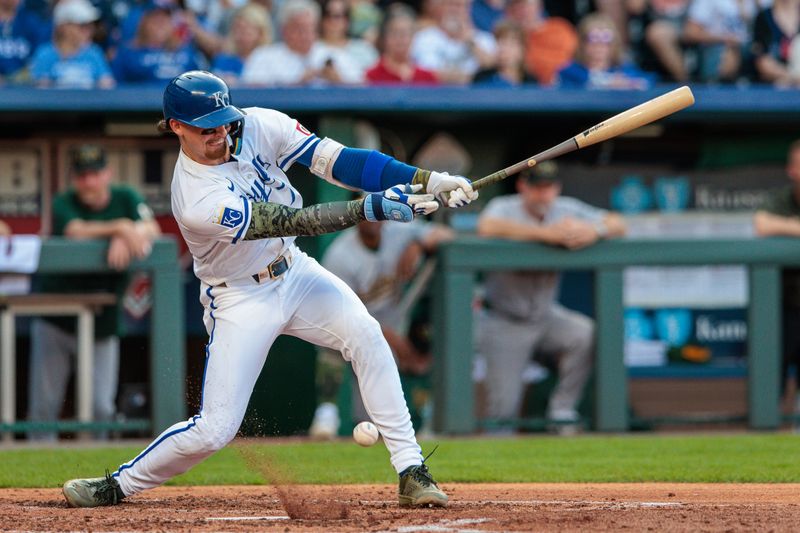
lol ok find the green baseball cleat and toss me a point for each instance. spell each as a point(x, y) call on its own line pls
point(418, 489)
point(93, 492)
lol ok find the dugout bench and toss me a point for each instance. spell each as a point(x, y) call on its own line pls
point(462, 259)
point(167, 346)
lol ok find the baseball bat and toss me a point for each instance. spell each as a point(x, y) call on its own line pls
point(645, 113)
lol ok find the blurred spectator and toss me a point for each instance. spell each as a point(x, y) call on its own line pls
point(429, 12)
point(156, 54)
point(510, 68)
point(71, 60)
point(454, 49)
point(250, 28)
point(217, 14)
point(774, 31)
point(334, 37)
point(300, 59)
point(365, 20)
point(599, 62)
point(395, 64)
point(188, 27)
point(659, 45)
point(91, 209)
point(21, 32)
point(722, 31)
point(5, 229)
point(551, 41)
point(487, 13)
point(780, 216)
point(521, 316)
point(377, 261)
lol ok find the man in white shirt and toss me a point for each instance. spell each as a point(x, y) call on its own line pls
point(300, 59)
point(454, 49)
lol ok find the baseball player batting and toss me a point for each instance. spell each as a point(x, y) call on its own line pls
point(239, 215)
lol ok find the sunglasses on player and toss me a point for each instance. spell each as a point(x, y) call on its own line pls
point(212, 131)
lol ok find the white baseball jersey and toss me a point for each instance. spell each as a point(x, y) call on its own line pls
point(212, 204)
point(244, 315)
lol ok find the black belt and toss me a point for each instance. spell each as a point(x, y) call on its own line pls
point(275, 269)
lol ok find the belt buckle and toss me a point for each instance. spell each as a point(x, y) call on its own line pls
point(278, 267)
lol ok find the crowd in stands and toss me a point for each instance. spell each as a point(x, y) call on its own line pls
point(622, 44)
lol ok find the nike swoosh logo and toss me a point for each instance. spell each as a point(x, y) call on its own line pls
point(231, 187)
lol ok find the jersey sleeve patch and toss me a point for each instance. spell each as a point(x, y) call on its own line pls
point(302, 129)
point(229, 217)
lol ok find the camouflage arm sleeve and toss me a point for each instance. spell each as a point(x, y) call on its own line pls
point(421, 177)
point(275, 220)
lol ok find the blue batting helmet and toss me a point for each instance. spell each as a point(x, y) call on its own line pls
point(200, 99)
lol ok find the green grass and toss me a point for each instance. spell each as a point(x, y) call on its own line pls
point(719, 458)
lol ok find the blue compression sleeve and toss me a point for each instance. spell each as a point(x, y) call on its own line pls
point(370, 170)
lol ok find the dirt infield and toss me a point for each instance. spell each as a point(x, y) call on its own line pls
point(496, 507)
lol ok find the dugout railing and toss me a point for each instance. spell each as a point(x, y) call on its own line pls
point(460, 262)
point(167, 330)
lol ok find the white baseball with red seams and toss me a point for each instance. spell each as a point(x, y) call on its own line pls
point(365, 434)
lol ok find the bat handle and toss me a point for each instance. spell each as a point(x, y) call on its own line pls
point(503, 174)
point(498, 176)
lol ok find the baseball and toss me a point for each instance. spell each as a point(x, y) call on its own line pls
point(365, 434)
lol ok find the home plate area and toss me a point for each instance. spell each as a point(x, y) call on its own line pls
point(473, 507)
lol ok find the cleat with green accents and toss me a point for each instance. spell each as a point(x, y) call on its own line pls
point(93, 492)
point(418, 489)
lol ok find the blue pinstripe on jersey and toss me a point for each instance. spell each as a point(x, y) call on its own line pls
point(246, 221)
point(309, 143)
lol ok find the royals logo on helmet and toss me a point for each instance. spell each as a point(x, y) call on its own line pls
point(221, 99)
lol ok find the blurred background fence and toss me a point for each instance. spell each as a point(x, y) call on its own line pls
point(695, 176)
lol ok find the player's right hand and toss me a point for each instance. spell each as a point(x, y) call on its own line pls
point(453, 191)
point(399, 203)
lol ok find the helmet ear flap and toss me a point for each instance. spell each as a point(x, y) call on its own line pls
point(235, 136)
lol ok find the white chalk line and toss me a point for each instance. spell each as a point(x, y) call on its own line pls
point(545, 502)
point(443, 525)
point(235, 518)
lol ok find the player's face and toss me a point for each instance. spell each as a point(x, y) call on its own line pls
point(206, 146)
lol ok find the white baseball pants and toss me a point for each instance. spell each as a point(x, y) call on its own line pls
point(243, 319)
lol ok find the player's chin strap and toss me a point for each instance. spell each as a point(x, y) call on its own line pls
point(235, 136)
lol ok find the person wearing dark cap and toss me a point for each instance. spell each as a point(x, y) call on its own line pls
point(92, 208)
point(522, 316)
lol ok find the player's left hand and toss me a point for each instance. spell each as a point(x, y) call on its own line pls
point(452, 191)
point(399, 203)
